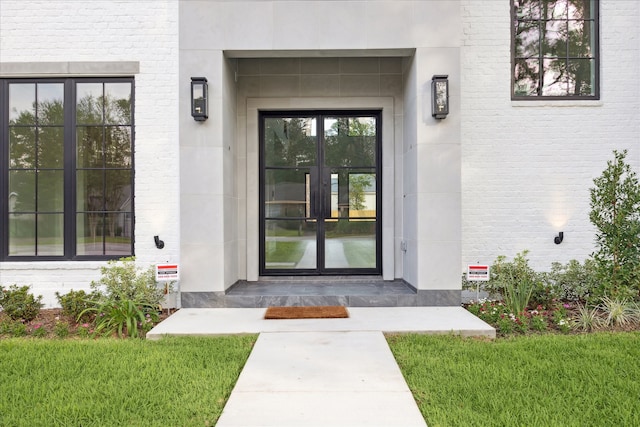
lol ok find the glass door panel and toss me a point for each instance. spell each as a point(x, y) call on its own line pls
point(320, 194)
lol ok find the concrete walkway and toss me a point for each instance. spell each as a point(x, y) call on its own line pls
point(322, 372)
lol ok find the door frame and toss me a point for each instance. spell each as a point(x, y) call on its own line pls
point(249, 169)
point(321, 268)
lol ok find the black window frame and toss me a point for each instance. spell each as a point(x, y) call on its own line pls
point(595, 55)
point(70, 208)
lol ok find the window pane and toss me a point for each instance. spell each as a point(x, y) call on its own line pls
point(51, 148)
point(22, 101)
point(527, 39)
point(580, 9)
point(117, 234)
point(50, 191)
point(290, 141)
point(89, 233)
point(22, 189)
point(50, 104)
point(580, 39)
point(290, 244)
point(554, 9)
point(362, 195)
point(22, 147)
point(118, 190)
point(50, 234)
point(350, 141)
point(22, 234)
point(89, 106)
point(89, 150)
point(118, 147)
point(527, 9)
point(554, 78)
point(581, 74)
point(286, 193)
point(555, 39)
point(118, 103)
point(90, 190)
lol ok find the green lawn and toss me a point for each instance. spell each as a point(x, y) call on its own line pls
point(105, 382)
point(536, 380)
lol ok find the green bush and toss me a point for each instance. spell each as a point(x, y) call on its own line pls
point(74, 303)
point(573, 281)
point(126, 300)
point(19, 304)
point(122, 280)
point(615, 212)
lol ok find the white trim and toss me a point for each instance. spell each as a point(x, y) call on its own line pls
point(329, 103)
point(81, 68)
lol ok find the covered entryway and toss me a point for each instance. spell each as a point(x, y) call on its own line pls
point(320, 193)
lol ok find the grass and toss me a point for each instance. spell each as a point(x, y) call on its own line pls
point(546, 380)
point(174, 381)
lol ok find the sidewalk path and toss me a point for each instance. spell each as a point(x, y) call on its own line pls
point(321, 379)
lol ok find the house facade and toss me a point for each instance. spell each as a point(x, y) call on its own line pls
point(320, 155)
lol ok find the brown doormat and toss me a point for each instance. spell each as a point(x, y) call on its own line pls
point(307, 312)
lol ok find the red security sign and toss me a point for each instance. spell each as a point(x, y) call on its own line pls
point(167, 272)
point(478, 273)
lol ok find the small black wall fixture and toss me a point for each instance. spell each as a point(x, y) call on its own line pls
point(199, 99)
point(558, 239)
point(440, 96)
point(159, 243)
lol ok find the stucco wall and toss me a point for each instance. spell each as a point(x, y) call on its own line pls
point(527, 166)
point(146, 33)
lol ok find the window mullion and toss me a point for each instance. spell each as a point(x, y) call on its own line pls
point(69, 169)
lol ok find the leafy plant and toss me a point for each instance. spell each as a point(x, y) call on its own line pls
point(573, 281)
point(587, 319)
point(19, 304)
point(39, 331)
point(74, 303)
point(18, 329)
point(122, 279)
point(618, 312)
point(615, 212)
point(61, 329)
point(123, 317)
point(515, 281)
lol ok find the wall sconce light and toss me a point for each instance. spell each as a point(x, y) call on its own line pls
point(199, 99)
point(159, 243)
point(558, 239)
point(440, 96)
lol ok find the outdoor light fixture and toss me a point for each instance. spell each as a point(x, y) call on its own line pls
point(159, 243)
point(440, 96)
point(199, 102)
point(558, 239)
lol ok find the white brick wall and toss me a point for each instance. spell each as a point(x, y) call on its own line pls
point(527, 165)
point(129, 30)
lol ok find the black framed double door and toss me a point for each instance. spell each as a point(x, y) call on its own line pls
point(320, 193)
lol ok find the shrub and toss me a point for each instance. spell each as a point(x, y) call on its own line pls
point(615, 212)
point(19, 304)
point(573, 281)
point(122, 280)
point(74, 303)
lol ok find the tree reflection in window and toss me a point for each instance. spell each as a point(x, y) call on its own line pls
point(555, 48)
